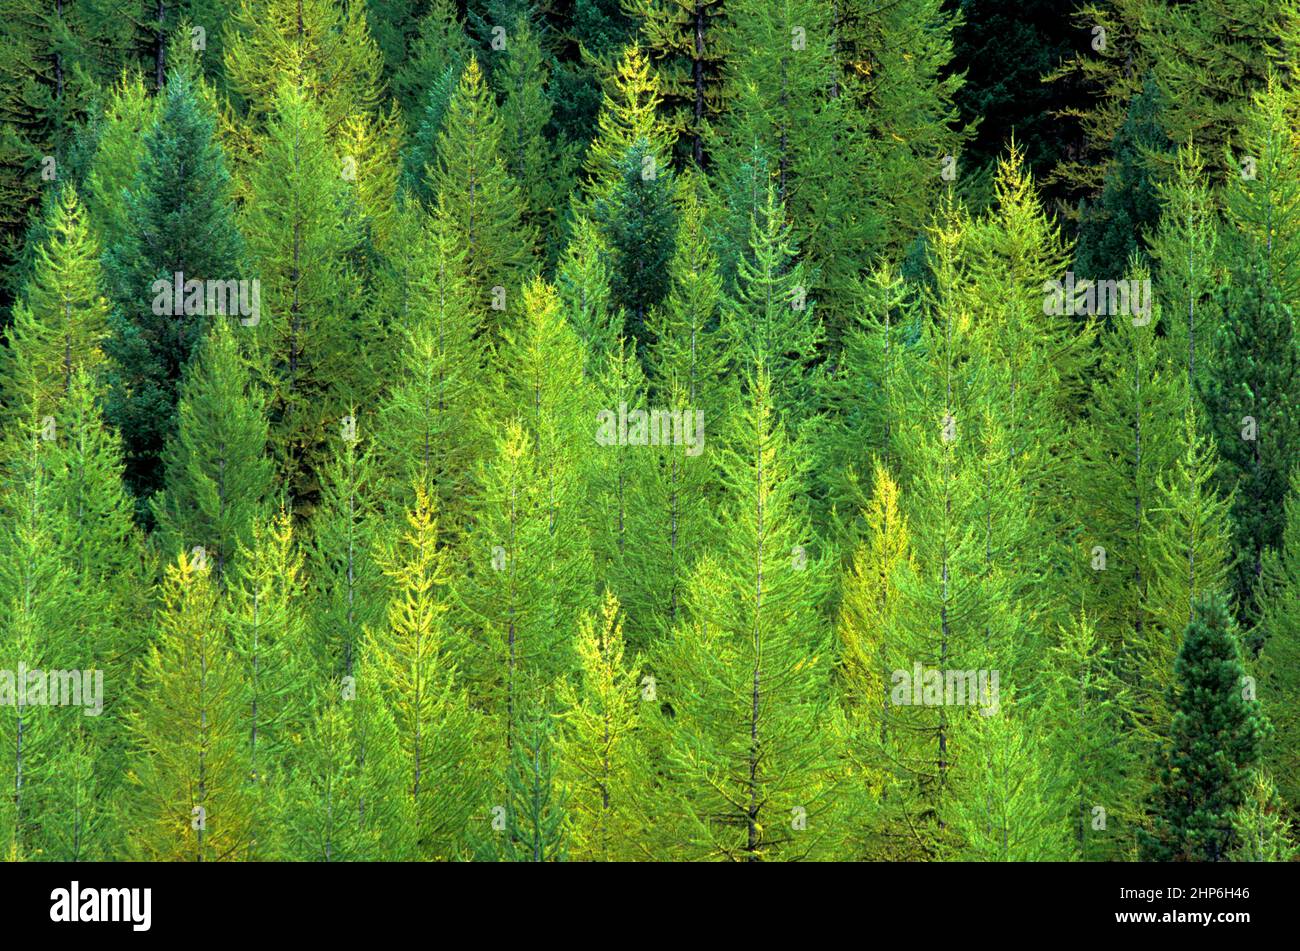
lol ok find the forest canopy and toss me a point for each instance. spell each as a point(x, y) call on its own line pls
point(649, 430)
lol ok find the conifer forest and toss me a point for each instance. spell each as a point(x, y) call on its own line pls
point(650, 430)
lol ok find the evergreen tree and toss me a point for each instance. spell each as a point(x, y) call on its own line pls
point(395, 26)
point(1209, 58)
point(639, 223)
point(1252, 381)
point(869, 602)
point(590, 36)
point(345, 796)
point(780, 81)
point(863, 393)
point(179, 220)
point(424, 82)
point(513, 594)
point(1123, 218)
point(943, 606)
point(1131, 442)
point(686, 351)
point(543, 388)
point(98, 542)
point(316, 817)
point(621, 503)
point(1214, 745)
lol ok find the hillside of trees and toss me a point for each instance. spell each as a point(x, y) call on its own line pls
point(649, 430)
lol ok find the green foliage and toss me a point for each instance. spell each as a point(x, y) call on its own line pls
point(1215, 740)
point(599, 745)
point(639, 223)
point(1121, 221)
point(218, 474)
point(191, 767)
point(414, 665)
point(310, 341)
point(180, 220)
point(745, 672)
point(1280, 657)
point(480, 199)
point(629, 430)
point(60, 323)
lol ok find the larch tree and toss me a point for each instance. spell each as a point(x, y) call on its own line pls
point(1184, 249)
point(896, 61)
point(38, 613)
point(61, 320)
point(311, 341)
point(190, 768)
point(771, 317)
point(1006, 802)
point(1280, 626)
point(346, 585)
point(779, 83)
point(1128, 444)
point(429, 431)
point(119, 149)
point(414, 663)
point(266, 621)
point(747, 671)
point(481, 200)
point(684, 41)
point(597, 743)
point(1084, 716)
point(320, 47)
point(512, 595)
point(218, 473)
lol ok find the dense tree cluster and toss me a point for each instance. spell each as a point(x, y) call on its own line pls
point(657, 430)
